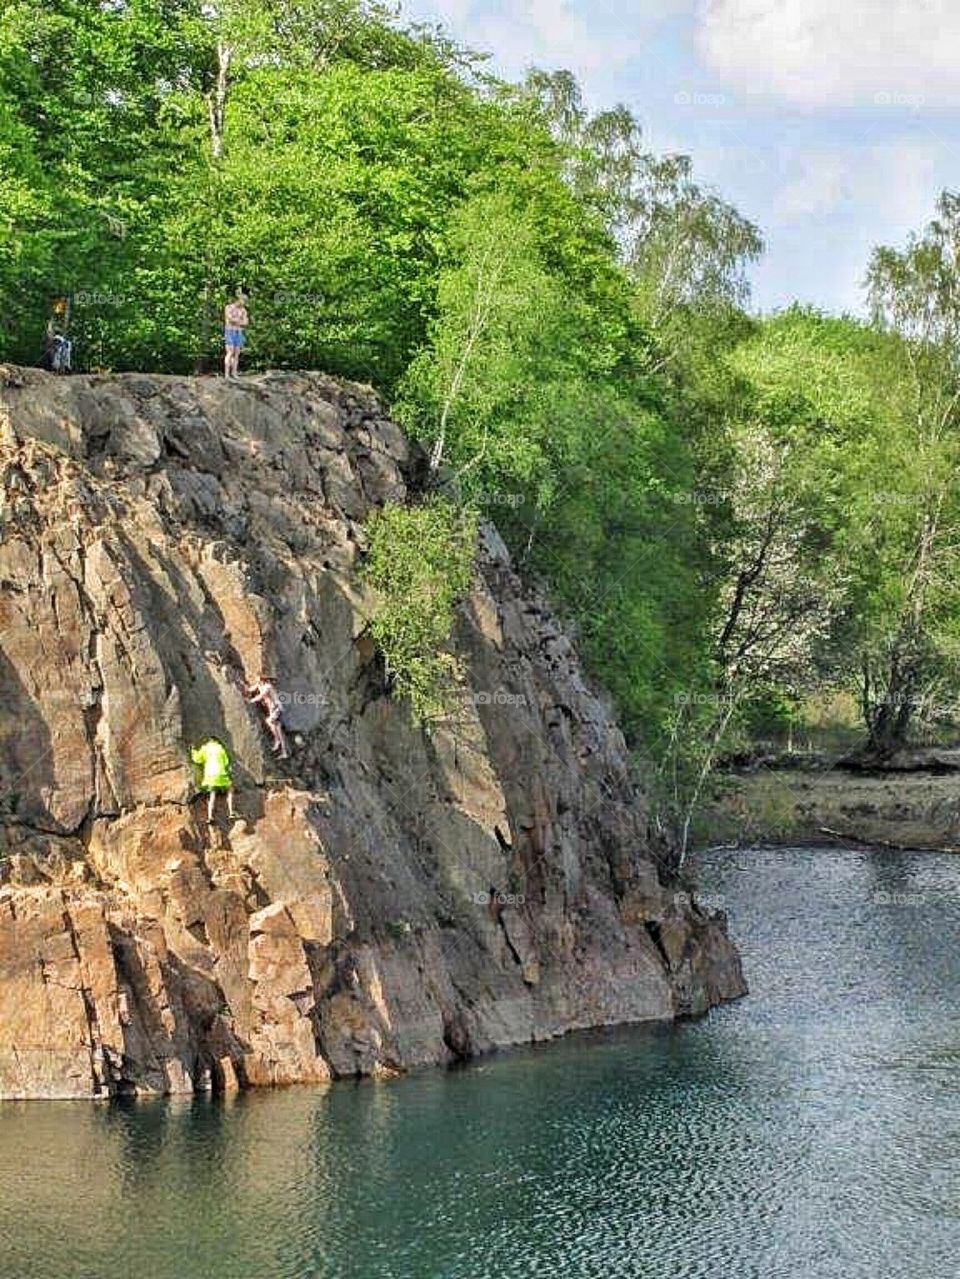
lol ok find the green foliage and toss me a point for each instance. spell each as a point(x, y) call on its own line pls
point(866, 500)
point(419, 563)
point(82, 94)
point(326, 200)
point(535, 388)
point(497, 308)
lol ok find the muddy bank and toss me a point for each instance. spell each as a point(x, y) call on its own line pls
point(911, 802)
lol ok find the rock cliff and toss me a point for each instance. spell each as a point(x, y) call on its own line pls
point(390, 897)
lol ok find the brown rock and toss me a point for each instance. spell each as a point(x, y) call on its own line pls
point(392, 897)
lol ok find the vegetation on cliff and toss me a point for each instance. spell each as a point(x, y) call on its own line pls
point(420, 563)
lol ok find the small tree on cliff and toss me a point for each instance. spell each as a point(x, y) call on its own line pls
point(419, 565)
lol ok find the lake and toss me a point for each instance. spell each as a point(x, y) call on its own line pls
point(809, 1131)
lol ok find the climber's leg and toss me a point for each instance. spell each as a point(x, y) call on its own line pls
point(275, 725)
point(231, 811)
point(211, 804)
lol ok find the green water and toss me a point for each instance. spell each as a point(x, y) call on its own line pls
point(809, 1131)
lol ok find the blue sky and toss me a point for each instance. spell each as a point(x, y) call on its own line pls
point(829, 123)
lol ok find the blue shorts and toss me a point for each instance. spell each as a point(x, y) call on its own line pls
point(233, 337)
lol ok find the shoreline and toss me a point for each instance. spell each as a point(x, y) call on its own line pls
point(900, 807)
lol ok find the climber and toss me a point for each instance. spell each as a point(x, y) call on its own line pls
point(235, 321)
point(214, 762)
point(263, 693)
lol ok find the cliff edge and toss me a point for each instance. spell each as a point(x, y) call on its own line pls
point(392, 896)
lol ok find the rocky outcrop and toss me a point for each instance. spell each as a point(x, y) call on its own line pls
point(390, 896)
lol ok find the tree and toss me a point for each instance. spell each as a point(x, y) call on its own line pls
point(685, 247)
point(495, 305)
point(915, 295)
point(83, 89)
point(835, 403)
point(419, 564)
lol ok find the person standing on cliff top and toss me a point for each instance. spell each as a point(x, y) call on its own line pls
point(235, 322)
point(213, 760)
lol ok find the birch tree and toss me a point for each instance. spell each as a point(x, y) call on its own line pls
point(495, 304)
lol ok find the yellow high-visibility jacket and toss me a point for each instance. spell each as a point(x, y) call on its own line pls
point(214, 762)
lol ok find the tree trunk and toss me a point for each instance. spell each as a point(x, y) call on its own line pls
point(216, 110)
point(889, 719)
point(890, 710)
point(217, 100)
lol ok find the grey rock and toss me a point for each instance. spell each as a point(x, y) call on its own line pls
point(394, 896)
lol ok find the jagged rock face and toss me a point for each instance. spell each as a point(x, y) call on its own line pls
point(391, 896)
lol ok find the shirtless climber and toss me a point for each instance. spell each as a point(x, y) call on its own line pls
point(264, 694)
point(235, 322)
point(213, 760)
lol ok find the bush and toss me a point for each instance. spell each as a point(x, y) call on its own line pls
point(420, 563)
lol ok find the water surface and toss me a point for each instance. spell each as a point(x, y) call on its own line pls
point(811, 1131)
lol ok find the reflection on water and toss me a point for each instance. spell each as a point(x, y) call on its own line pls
point(811, 1131)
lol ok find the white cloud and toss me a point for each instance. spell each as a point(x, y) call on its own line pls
point(897, 180)
point(821, 183)
point(588, 37)
point(896, 53)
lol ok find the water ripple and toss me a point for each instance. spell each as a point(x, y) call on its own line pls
point(811, 1131)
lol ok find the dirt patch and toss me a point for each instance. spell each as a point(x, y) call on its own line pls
point(909, 809)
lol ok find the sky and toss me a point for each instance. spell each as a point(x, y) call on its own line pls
point(828, 123)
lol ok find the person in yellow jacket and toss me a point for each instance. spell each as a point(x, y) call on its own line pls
point(213, 762)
